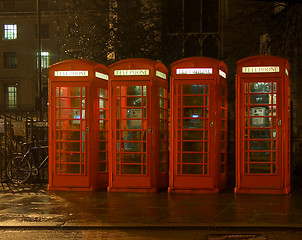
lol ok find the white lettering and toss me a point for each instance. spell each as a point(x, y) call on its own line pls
point(71, 73)
point(264, 69)
point(101, 75)
point(194, 71)
point(134, 72)
point(161, 75)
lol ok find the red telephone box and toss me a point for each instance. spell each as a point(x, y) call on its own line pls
point(198, 149)
point(139, 123)
point(78, 126)
point(263, 125)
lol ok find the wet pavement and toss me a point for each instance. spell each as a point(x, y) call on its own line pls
point(34, 206)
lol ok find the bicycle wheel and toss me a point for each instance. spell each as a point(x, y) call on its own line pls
point(18, 170)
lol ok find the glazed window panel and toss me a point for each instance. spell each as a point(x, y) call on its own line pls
point(102, 130)
point(192, 129)
point(71, 126)
point(260, 128)
point(131, 127)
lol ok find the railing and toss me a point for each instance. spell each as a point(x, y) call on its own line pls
point(17, 128)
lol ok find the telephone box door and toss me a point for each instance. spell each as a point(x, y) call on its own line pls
point(131, 156)
point(71, 134)
point(193, 130)
point(261, 161)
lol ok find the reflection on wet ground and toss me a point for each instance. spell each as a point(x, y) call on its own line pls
point(33, 203)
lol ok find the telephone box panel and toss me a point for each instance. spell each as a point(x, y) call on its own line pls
point(78, 135)
point(262, 125)
point(198, 145)
point(139, 123)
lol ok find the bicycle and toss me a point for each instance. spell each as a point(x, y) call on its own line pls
point(21, 168)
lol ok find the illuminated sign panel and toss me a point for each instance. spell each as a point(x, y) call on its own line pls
point(134, 72)
point(264, 69)
point(101, 75)
point(194, 71)
point(286, 71)
point(161, 75)
point(222, 73)
point(71, 73)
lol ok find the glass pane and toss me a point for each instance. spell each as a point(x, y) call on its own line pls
point(193, 101)
point(68, 168)
point(192, 123)
point(76, 102)
point(192, 146)
point(134, 90)
point(102, 156)
point(102, 93)
point(132, 124)
point(261, 87)
point(102, 167)
point(161, 103)
point(134, 113)
point(132, 146)
point(102, 146)
point(144, 90)
point(70, 146)
point(192, 135)
point(260, 157)
point(162, 114)
point(131, 169)
point(102, 103)
point(260, 133)
point(261, 122)
point(161, 92)
point(131, 158)
point(131, 135)
point(260, 145)
point(260, 168)
point(102, 114)
point(260, 98)
point(193, 89)
point(193, 112)
point(134, 101)
point(70, 157)
point(75, 91)
point(192, 157)
point(192, 169)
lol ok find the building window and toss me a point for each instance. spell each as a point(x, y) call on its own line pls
point(11, 97)
point(44, 60)
point(192, 16)
point(10, 60)
point(44, 31)
point(9, 4)
point(44, 4)
point(10, 31)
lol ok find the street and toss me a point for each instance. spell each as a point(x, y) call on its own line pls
point(148, 234)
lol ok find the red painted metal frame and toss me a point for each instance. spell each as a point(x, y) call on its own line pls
point(150, 170)
point(89, 78)
point(277, 178)
point(213, 178)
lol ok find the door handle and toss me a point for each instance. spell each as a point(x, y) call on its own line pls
point(211, 124)
point(87, 129)
point(279, 122)
point(149, 130)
